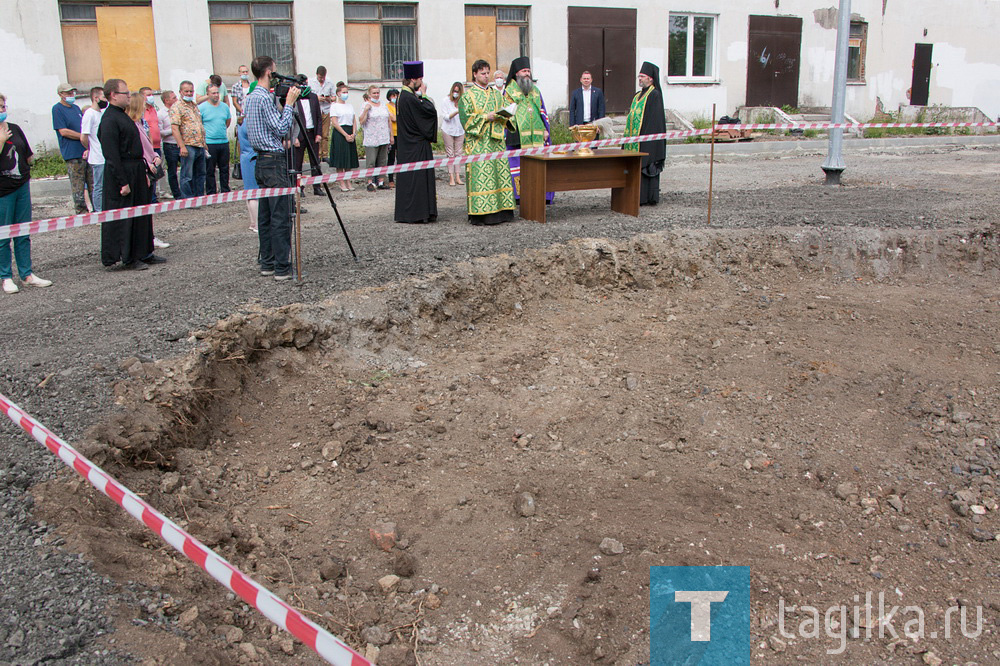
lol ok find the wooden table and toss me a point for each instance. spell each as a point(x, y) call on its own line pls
point(618, 169)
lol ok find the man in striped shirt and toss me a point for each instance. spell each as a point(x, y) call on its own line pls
point(267, 129)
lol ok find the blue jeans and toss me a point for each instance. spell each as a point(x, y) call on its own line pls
point(97, 193)
point(172, 153)
point(274, 219)
point(192, 172)
point(16, 208)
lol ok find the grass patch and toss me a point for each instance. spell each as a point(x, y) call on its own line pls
point(810, 134)
point(48, 164)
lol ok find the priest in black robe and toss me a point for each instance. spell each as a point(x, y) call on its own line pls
point(646, 116)
point(416, 122)
point(126, 183)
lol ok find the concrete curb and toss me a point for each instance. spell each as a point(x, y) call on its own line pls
point(60, 186)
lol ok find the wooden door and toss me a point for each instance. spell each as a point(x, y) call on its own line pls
point(128, 46)
point(602, 41)
point(920, 88)
point(773, 61)
point(619, 79)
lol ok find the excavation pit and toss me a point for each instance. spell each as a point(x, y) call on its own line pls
point(541, 429)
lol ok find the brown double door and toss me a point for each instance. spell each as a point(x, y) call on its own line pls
point(602, 42)
point(775, 43)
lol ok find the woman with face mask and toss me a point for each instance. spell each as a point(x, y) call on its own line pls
point(452, 132)
point(391, 96)
point(344, 155)
point(378, 134)
point(16, 158)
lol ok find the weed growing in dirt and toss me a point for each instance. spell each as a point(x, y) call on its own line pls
point(48, 164)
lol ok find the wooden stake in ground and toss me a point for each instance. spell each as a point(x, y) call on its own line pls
point(298, 230)
point(711, 168)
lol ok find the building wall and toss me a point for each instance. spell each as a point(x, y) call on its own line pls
point(965, 69)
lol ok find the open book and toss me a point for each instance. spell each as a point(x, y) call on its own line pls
point(507, 111)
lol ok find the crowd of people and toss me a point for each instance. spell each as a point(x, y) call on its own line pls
point(118, 148)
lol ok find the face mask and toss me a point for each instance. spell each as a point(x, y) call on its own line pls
point(245, 77)
point(499, 82)
point(455, 95)
point(71, 100)
point(344, 96)
point(149, 99)
point(3, 117)
point(188, 98)
point(102, 104)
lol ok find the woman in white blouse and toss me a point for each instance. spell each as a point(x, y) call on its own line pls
point(344, 155)
point(452, 131)
point(378, 135)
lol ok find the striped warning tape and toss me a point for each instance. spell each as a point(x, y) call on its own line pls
point(328, 646)
point(69, 222)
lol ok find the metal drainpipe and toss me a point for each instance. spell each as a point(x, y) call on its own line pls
point(834, 164)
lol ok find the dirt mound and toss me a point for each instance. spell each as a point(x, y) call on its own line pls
point(481, 465)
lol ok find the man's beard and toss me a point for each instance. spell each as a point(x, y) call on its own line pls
point(644, 84)
point(525, 84)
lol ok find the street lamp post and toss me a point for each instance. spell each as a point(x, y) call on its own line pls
point(834, 164)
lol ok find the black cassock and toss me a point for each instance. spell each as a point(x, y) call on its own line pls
point(653, 122)
point(128, 240)
point(416, 123)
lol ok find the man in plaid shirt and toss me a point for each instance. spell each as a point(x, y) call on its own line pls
point(267, 129)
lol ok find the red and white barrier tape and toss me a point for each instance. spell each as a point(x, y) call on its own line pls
point(329, 647)
point(58, 223)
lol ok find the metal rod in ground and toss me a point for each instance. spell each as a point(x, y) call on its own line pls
point(834, 165)
point(711, 168)
point(298, 230)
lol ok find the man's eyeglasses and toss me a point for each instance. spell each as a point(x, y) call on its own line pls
point(119, 92)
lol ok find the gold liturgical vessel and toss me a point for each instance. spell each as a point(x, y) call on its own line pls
point(583, 133)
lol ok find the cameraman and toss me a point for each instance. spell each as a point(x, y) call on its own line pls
point(267, 128)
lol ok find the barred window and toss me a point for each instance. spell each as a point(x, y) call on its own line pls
point(241, 31)
point(380, 38)
point(495, 34)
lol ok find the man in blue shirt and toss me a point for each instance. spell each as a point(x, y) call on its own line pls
point(215, 116)
point(267, 129)
point(67, 119)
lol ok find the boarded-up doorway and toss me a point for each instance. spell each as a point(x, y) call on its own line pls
point(602, 41)
point(920, 89)
point(773, 64)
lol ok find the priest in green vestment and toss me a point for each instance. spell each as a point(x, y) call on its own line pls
point(646, 116)
point(531, 121)
point(487, 184)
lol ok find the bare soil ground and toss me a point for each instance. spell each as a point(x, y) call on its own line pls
point(817, 403)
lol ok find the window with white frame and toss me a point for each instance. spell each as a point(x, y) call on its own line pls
point(692, 47)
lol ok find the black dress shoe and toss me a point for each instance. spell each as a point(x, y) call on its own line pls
point(318, 191)
point(153, 259)
point(135, 266)
point(303, 209)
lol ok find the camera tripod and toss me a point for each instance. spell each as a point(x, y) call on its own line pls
point(316, 171)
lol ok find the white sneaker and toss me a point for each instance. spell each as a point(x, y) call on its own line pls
point(36, 281)
point(9, 287)
point(160, 245)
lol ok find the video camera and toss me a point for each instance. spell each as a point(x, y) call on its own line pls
point(282, 84)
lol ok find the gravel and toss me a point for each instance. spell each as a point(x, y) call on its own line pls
point(63, 345)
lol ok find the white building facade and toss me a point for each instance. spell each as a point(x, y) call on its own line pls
point(723, 52)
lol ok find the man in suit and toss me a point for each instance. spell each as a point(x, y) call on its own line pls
point(309, 110)
point(586, 107)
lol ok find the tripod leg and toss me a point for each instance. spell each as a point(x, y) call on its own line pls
point(314, 167)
